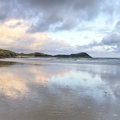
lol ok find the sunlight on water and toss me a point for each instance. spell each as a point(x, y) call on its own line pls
point(59, 91)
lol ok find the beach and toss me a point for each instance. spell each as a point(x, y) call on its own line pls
point(59, 89)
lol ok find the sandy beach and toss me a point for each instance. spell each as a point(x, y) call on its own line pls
point(59, 90)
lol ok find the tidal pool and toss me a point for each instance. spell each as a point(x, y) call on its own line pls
point(59, 91)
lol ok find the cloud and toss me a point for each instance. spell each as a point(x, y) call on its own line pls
point(12, 85)
point(113, 39)
point(26, 25)
point(109, 45)
point(52, 15)
point(46, 45)
point(13, 36)
point(56, 47)
point(4, 10)
point(64, 15)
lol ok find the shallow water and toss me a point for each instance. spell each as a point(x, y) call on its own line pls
point(62, 91)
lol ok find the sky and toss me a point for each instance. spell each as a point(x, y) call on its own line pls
point(61, 26)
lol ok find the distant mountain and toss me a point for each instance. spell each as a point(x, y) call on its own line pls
point(7, 54)
point(78, 55)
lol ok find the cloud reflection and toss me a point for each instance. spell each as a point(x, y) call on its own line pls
point(60, 90)
point(12, 85)
point(16, 80)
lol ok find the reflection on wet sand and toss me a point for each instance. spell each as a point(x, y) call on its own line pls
point(14, 80)
point(59, 92)
point(3, 63)
point(11, 84)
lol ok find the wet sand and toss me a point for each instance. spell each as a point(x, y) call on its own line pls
point(59, 91)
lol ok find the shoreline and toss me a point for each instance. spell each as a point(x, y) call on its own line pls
point(67, 61)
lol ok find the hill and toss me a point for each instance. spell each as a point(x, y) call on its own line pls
point(37, 54)
point(78, 55)
point(7, 54)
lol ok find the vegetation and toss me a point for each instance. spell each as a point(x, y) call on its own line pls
point(37, 54)
point(23, 55)
point(7, 54)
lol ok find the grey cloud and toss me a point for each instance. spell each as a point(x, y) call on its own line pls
point(4, 10)
point(113, 39)
point(52, 14)
point(112, 43)
point(117, 26)
point(80, 10)
point(90, 45)
point(65, 10)
point(46, 23)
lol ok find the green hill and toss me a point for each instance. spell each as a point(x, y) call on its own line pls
point(7, 54)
